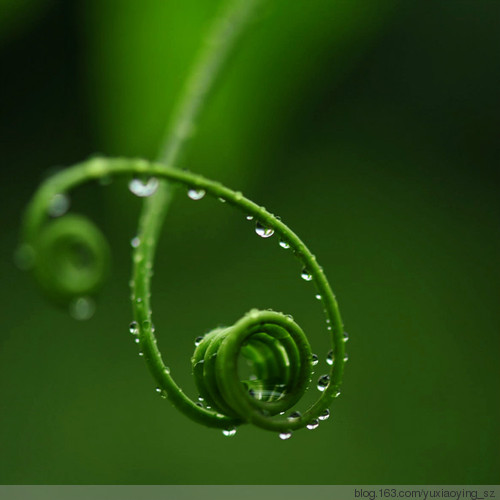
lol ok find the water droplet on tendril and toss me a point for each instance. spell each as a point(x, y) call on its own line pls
point(135, 242)
point(133, 328)
point(314, 424)
point(285, 435)
point(82, 308)
point(306, 275)
point(346, 357)
point(158, 390)
point(325, 415)
point(346, 336)
point(143, 189)
point(141, 353)
point(222, 200)
point(314, 359)
point(196, 194)
point(284, 244)
point(229, 432)
point(295, 415)
point(59, 205)
point(249, 217)
point(137, 340)
point(262, 231)
point(329, 357)
point(197, 341)
point(323, 382)
point(318, 296)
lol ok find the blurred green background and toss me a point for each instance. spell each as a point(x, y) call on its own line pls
point(371, 128)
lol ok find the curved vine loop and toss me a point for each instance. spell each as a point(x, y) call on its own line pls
point(270, 341)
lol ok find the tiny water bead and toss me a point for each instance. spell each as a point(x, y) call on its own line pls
point(285, 435)
point(329, 357)
point(143, 189)
point(262, 231)
point(325, 415)
point(306, 275)
point(323, 382)
point(82, 308)
point(314, 424)
point(346, 336)
point(295, 415)
point(59, 205)
point(314, 359)
point(135, 242)
point(197, 341)
point(318, 296)
point(249, 217)
point(158, 390)
point(229, 432)
point(196, 194)
point(346, 357)
point(133, 328)
point(284, 244)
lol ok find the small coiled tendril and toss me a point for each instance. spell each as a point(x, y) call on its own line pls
point(69, 257)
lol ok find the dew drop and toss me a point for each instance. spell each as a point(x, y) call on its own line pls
point(199, 404)
point(295, 415)
point(133, 328)
point(141, 353)
point(285, 435)
point(135, 242)
point(59, 205)
point(158, 390)
point(284, 244)
point(197, 341)
point(249, 217)
point(196, 194)
point(318, 296)
point(143, 189)
point(314, 359)
point(137, 340)
point(323, 382)
point(346, 357)
point(262, 231)
point(306, 275)
point(314, 424)
point(82, 308)
point(336, 393)
point(222, 200)
point(346, 336)
point(325, 415)
point(329, 357)
point(229, 432)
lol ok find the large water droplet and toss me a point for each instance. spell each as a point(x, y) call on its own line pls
point(314, 359)
point(323, 382)
point(329, 357)
point(143, 189)
point(318, 296)
point(133, 328)
point(196, 194)
point(325, 415)
point(306, 275)
point(262, 231)
point(59, 205)
point(314, 424)
point(82, 308)
point(284, 244)
point(295, 415)
point(249, 217)
point(197, 341)
point(135, 242)
point(285, 435)
point(229, 432)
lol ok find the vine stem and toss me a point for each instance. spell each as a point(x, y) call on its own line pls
point(221, 38)
point(98, 168)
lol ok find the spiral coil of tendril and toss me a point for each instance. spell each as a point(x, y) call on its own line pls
point(69, 257)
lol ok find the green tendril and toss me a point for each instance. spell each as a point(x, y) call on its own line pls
point(69, 257)
point(271, 341)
